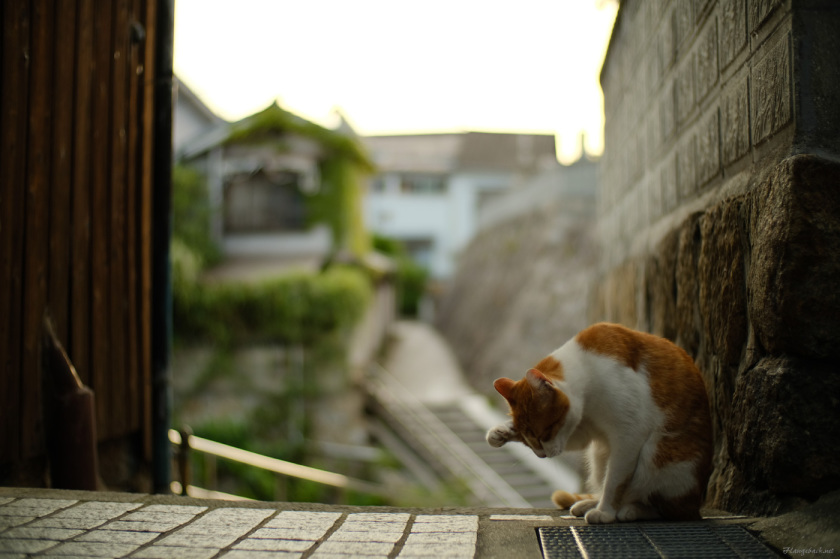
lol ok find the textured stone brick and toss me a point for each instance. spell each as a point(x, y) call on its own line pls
point(653, 193)
point(27, 533)
point(97, 509)
point(707, 60)
point(25, 546)
point(139, 526)
point(684, 88)
point(687, 167)
point(735, 122)
point(251, 554)
point(450, 538)
point(342, 535)
point(293, 519)
point(683, 19)
point(653, 129)
point(668, 183)
point(85, 523)
point(708, 148)
point(220, 539)
point(667, 113)
point(164, 552)
point(11, 521)
point(733, 30)
point(275, 545)
point(355, 548)
point(445, 523)
point(760, 10)
point(178, 509)
point(438, 551)
point(144, 516)
point(137, 538)
point(92, 549)
point(771, 103)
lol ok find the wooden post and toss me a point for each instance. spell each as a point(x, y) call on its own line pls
point(184, 459)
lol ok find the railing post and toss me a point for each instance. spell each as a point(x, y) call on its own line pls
point(184, 459)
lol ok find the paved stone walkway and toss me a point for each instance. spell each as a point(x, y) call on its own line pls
point(47, 523)
point(52, 523)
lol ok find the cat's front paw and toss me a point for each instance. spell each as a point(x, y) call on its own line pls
point(500, 434)
point(598, 516)
point(582, 507)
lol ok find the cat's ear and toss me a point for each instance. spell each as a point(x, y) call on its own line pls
point(504, 387)
point(537, 379)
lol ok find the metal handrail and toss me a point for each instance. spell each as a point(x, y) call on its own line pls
point(282, 467)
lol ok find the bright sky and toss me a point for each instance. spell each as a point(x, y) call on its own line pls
point(403, 66)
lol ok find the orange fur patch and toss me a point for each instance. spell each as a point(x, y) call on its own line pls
point(676, 386)
point(550, 367)
point(538, 413)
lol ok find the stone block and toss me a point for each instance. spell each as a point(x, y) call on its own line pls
point(685, 88)
point(667, 113)
point(759, 11)
point(683, 20)
point(707, 60)
point(687, 167)
point(734, 121)
point(733, 30)
point(771, 91)
point(653, 128)
point(669, 183)
point(708, 148)
point(794, 236)
point(660, 283)
point(722, 281)
point(688, 322)
point(666, 45)
point(783, 454)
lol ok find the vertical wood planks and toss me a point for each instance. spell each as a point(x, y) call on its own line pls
point(76, 210)
point(13, 131)
point(37, 212)
point(79, 343)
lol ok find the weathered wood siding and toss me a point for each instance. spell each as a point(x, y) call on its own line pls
point(76, 209)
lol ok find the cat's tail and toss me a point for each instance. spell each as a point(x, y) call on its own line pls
point(564, 499)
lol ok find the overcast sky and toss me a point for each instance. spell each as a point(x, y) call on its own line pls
point(402, 66)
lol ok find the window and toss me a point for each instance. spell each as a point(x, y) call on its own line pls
point(422, 184)
point(262, 202)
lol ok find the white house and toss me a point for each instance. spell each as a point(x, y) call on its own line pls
point(430, 187)
point(191, 118)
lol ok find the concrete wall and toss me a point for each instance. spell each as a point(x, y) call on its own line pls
point(719, 223)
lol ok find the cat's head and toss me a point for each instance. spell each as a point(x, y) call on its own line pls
point(539, 410)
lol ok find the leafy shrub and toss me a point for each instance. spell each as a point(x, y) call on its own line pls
point(411, 277)
point(297, 308)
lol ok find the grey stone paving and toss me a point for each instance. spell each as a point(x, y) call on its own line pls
point(45, 523)
point(73, 528)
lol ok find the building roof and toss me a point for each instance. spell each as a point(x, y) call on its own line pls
point(465, 151)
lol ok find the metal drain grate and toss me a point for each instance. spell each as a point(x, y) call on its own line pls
point(643, 541)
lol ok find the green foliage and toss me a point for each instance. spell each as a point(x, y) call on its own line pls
point(411, 277)
point(339, 204)
point(273, 122)
point(344, 164)
point(296, 308)
point(191, 212)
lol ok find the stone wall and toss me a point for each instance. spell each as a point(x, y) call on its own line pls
point(719, 223)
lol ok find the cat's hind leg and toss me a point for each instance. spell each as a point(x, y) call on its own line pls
point(637, 511)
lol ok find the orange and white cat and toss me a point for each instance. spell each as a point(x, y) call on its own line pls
point(638, 402)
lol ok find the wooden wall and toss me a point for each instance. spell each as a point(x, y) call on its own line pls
point(76, 195)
